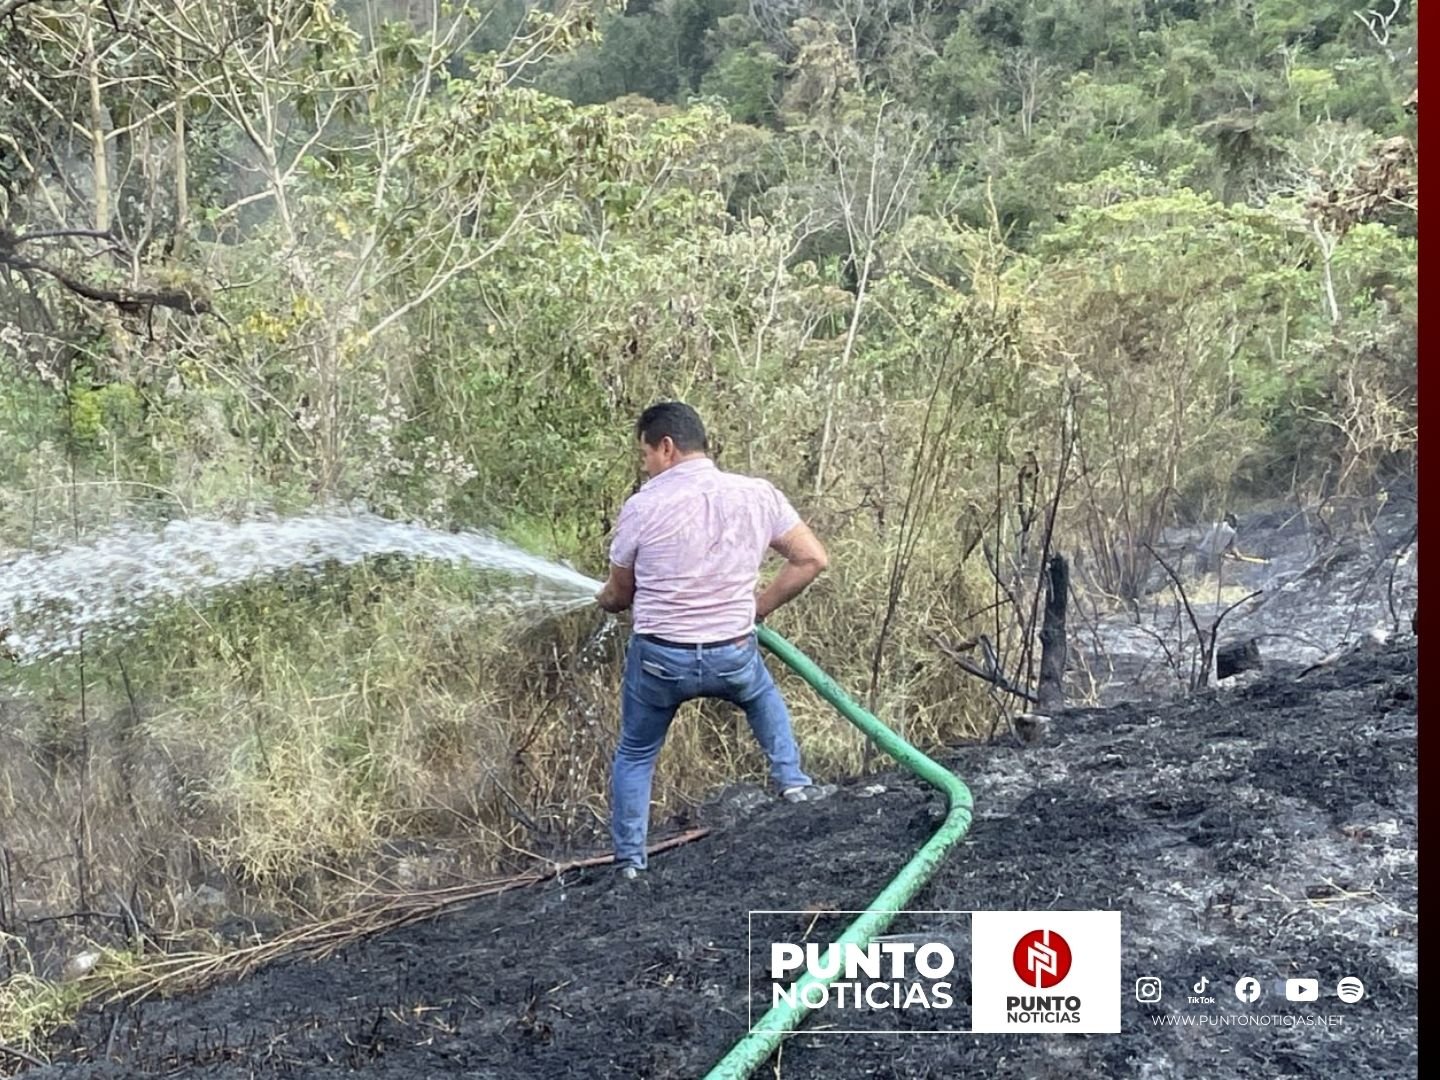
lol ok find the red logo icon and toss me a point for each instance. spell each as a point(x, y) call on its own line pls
point(1042, 959)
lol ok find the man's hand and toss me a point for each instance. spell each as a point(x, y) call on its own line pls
point(805, 560)
point(619, 591)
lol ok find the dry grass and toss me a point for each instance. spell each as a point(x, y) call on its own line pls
point(268, 744)
point(32, 1007)
point(297, 742)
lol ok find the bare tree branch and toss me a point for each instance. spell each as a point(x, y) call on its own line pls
point(50, 234)
point(1180, 591)
point(967, 665)
point(128, 300)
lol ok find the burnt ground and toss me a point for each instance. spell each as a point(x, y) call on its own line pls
point(1268, 829)
point(1319, 586)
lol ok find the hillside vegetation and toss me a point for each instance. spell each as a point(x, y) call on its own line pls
point(970, 280)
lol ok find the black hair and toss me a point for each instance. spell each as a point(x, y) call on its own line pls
point(677, 420)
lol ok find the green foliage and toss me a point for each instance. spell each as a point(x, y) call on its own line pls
point(966, 79)
point(448, 267)
point(746, 79)
point(638, 54)
point(98, 413)
point(479, 280)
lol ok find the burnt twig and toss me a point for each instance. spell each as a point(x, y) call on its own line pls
point(995, 678)
point(21, 1055)
point(1208, 655)
point(1196, 681)
point(1389, 586)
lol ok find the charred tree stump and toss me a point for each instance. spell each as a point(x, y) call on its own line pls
point(1052, 635)
point(1236, 656)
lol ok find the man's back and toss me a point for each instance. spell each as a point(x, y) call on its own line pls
point(695, 537)
point(686, 556)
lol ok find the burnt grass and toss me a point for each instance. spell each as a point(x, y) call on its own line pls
point(1266, 830)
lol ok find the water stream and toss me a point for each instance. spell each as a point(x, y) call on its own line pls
point(51, 598)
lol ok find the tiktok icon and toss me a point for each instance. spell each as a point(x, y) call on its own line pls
point(1199, 997)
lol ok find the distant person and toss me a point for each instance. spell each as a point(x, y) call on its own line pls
point(1220, 543)
point(686, 553)
point(1217, 543)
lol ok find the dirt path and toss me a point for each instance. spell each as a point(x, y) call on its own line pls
point(1268, 830)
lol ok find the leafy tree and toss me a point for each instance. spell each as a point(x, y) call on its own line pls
point(748, 81)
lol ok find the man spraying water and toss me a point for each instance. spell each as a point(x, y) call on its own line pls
point(686, 554)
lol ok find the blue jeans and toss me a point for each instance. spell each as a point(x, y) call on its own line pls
point(658, 680)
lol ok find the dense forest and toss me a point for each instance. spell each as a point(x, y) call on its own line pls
point(967, 278)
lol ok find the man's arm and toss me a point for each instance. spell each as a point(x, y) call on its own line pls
point(805, 560)
point(619, 591)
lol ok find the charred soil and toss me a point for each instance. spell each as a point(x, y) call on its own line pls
point(1267, 830)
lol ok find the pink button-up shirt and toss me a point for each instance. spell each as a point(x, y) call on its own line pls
point(695, 537)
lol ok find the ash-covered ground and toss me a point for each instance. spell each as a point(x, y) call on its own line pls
point(1307, 585)
point(1267, 830)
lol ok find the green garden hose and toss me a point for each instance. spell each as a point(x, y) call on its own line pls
point(752, 1051)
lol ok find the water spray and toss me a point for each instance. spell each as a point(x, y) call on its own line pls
point(50, 599)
